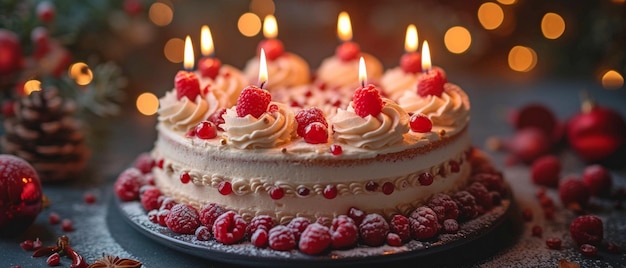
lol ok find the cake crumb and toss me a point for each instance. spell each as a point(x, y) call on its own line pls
point(442, 132)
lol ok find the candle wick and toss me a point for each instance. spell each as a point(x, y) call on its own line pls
point(262, 85)
point(362, 83)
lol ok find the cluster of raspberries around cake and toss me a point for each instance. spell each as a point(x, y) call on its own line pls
point(442, 213)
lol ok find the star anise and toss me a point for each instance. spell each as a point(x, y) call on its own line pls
point(108, 261)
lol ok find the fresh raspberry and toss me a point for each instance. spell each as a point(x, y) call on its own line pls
point(229, 228)
point(573, 193)
point(424, 223)
point(209, 67)
point(373, 230)
point(430, 83)
point(144, 162)
point(348, 51)
point(546, 170)
point(394, 240)
point(27, 245)
point(587, 229)
point(297, 226)
point(466, 204)
point(356, 214)
point(536, 231)
point(411, 62)
point(400, 226)
point(89, 198)
point(187, 85)
point(483, 198)
point(367, 101)
point(203, 233)
point(344, 233)
point(588, 250)
point(206, 130)
point(597, 179)
point(162, 216)
point(420, 123)
point(253, 101)
point(209, 213)
point(493, 182)
point(425, 179)
point(260, 222)
point(316, 133)
point(54, 259)
point(450, 226)
point(326, 221)
point(315, 239)
point(152, 215)
point(307, 116)
point(128, 183)
point(218, 118)
point(167, 203)
point(259, 238)
point(553, 243)
point(444, 206)
point(273, 48)
point(281, 238)
point(183, 219)
point(67, 225)
point(150, 198)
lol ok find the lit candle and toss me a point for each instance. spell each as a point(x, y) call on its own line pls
point(273, 47)
point(263, 77)
point(411, 61)
point(362, 72)
point(426, 62)
point(186, 82)
point(208, 65)
point(431, 82)
point(347, 50)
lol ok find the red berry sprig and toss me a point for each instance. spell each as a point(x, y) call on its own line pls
point(253, 101)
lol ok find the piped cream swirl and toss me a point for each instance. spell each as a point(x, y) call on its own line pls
point(371, 132)
point(285, 71)
point(267, 131)
point(335, 72)
point(226, 86)
point(183, 114)
point(449, 110)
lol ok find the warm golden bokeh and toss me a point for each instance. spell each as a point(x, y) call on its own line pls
point(457, 39)
point(161, 14)
point(507, 2)
point(270, 27)
point(81, 73)
point(344, 26)
point(522, 59)
point(249, 24)
point(411, 40)
point(32, 85)
point(552, 25)
point(490, 15)
point(147, 103)
point(174, 50)
point(262, 7)
point(612, 80)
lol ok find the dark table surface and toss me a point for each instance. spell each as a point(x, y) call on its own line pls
point(101, 229)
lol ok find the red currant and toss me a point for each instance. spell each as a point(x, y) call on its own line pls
point(206, 130)
point(420, 123)
point(388, 188)
point(330, 192)
point(425, 179)
point(185, 178)
point(371, 186)
point(303, 191)
point(277, 193)
point(336, 149)
point(225, 188)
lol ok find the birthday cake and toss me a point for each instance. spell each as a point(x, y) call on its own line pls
point(327, 154)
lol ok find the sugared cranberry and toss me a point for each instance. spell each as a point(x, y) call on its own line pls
point(388, 188)
point(330, 192)
point(573, 193)
point(303, 191)
point(307, 116)
point(587, 229)
point(315, 239)
point(185, 178)
point(597, 179)
point(371, 186)
point(225, 188)
point(450, 226)
point(336, 149)
point(394, 240)
point(276, 193)
point(546, 170)
point(425, 178)
point(420, 123)
point(553, 243)
point(588, 250)
point(206, 130)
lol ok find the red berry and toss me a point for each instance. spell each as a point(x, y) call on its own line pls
point(206, 130)
point(183, 219)
point(152, 215)
point(46, 11)
point(529, 144)
point(144, 162)
point(546, 170)
point(225, 188)
point(450, 226)
point(455, 167)
point(399, 225)
point(493, 182)
point(54, 218)
point(553, 243)
point(298, 225)
point(281, 238)
point(597, 179)
point(430, 83)
point(466, 204)
point(356, 215)
point(185, 178)
point(229, 228)
point(388, 188)
point(330, 192)
point(273, 48)
point(260, 238)
point(315, 239)
point(573, 193)
point(162, 216)
point(27, 245)
point(167, 203)
point(209, 67)
point(89, 198)
point(67, 225)
point(150, 198)
point(260, 222)
point(303, 191)
point(481, 194)
point(209, 213)
point(336, 149)
point(326, 221)
point(276, 193)
point(537, 231)
point(367, 101)
point(218, 118)
point(373, 230)
point(444, 206)
point(128, 183)
point(411, 62)
point(316, 133)
point(160, 163)
point(187, 85)
point(371, 186)
point(424, 223)
point(348, 51)
point(203, 233)
point(587, 229)
point(307, 116)
point(588, 250)
point(344, 233)
point(394, 240)
point(272, 108)
point(535, 115)
point(133, 7)
point(253, 101)
point(420, 123)
point(7, 109)
point(54, 259)
point(527, 214)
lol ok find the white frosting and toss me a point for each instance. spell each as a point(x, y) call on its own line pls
point(183, 114)
point(226, 86)
point(285, 71)
point(335, 72)
point(450, 111)
point(327, 100)
point(267, 131)
point(385, 129)
point(395, 82)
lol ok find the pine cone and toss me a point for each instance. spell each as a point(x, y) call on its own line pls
point(45, 134)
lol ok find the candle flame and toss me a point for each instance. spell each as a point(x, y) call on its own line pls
point(344, 27)
point(262, 69)
point(426, 63)
point(188, 60)
point(270, 27)
point(206, 41)
point(362, 72)
point(410, 42)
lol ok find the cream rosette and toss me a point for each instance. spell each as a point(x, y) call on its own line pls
point(226, 86)
point(450, 110)
point(335, 72)
point(371, 132)
point(285, 71)
point(183, 114)
point(395, 82)
point(267, 131)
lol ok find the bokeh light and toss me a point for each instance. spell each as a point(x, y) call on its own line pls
point(490, 15)
point(552, 25)
point(612, 80)
point(262, 8)
point(147, 103)
point(81, 73)
point(522, 59)
point(249, 24)
point(507, 2)
point(160, 14)
point(174, 50)
point(31, 86)
point(457, 39)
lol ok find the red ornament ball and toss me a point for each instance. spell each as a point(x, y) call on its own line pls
point(20, 195)
point(597, 134)
point(10, 52)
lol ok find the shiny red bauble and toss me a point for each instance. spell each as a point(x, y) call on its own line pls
point(20, 195)
point(10, 52)
point(596, 134)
